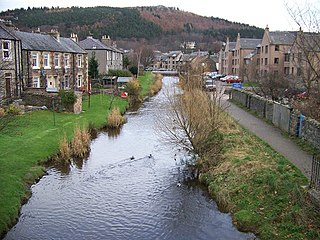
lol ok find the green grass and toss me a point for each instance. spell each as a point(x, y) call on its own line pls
point(265, 193)
point(146, 81)
point(32, 138)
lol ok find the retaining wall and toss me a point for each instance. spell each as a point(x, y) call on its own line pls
point(283, 117)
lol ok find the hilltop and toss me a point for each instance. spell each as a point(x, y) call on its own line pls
point(160, 27)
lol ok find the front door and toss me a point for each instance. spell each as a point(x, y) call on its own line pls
point(8, 85)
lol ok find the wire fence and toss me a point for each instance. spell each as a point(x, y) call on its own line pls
point(315, 173)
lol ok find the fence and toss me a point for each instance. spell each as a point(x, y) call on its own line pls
point(315, 174)
point(283, 117)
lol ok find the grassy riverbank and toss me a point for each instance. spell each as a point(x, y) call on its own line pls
point(31, 138)
point(265, 193)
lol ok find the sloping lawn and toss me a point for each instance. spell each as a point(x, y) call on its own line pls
point(265, 193)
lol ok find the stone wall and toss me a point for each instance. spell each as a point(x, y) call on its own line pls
point(39, 97)
point(281, 116)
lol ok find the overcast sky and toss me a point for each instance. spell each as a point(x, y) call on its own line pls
point(254, 12)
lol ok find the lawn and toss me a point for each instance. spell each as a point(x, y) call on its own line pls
point(265, 193)
point(31, 138)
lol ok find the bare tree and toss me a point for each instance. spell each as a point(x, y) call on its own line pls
point(192, 122)
point(305, 55)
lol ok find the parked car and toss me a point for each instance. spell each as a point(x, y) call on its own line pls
point(230, 79)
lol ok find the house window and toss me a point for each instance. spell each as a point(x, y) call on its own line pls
point(286, 57)
point(67, 60)
point(6, 46)
point(258, 61)
point(8, 80)
point(276, 48)
point(79, 60)
point(79, 80)
point(266, 61)
point(56, 60)
point(286, 70)
point(276, 60)
point(262, 49)
point(267, 49)
point(65, 83)
point(36, 82)
point(298, 72)
point(35, 60)
point(46, 61)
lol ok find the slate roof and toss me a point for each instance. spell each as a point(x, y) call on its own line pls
point(44, 42)
point(282, 38)
point(249, 43)
point(91, 43)
point(5, 33)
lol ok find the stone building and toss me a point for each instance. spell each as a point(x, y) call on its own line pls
point(108, 56)
point(52, 62)
point(10, 65)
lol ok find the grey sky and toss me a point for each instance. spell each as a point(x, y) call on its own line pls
point(259, 13)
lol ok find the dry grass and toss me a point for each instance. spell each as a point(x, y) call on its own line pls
point(2, 112)
point(115, 119)
point(65, 150)
point(157, 85)
point(81, 142)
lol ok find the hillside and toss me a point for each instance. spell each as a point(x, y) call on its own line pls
point(157, 27)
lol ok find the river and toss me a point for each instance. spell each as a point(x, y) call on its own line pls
point(110, 196)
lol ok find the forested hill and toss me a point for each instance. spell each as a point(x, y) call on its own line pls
point(153, 24)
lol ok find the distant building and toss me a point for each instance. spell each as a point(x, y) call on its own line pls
point(108, 56)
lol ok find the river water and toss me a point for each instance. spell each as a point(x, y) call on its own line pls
point(110, 196)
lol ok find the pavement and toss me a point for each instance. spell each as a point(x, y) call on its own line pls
point(273, 136)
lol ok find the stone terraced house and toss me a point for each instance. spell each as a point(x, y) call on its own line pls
point(52, 62)
point(10, 65)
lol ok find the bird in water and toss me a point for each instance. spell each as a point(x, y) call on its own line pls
point(150, 156)
point(132, 157)
point(179, 184)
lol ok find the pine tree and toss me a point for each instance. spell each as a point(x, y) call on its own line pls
point(93, 67)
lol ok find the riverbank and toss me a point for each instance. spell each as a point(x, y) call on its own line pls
point(30, 139)
point(265, 193)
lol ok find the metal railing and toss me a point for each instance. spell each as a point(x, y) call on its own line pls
point(315, 173)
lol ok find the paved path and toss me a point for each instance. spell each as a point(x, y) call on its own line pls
point(273, 137)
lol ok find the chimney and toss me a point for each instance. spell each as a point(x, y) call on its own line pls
point(106, 40)
point(54, 33)
point(74, 37)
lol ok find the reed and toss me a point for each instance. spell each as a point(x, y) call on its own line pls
point(157, 85)
point(65, 150)
point(115, 119)
point(81, 142)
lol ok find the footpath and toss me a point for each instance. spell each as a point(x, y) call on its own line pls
point(273, 136)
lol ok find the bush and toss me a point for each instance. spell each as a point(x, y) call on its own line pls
point(67, 97)
point(157, 85)
point(13, 110)
point(115, 119)
point(2, 112)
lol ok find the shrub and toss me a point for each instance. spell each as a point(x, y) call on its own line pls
point(2, 112)
point(157, 85)
point(115, 119)
point(67, 97)
point(13, 110)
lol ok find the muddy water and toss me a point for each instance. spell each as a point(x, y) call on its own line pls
point(111, 196)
